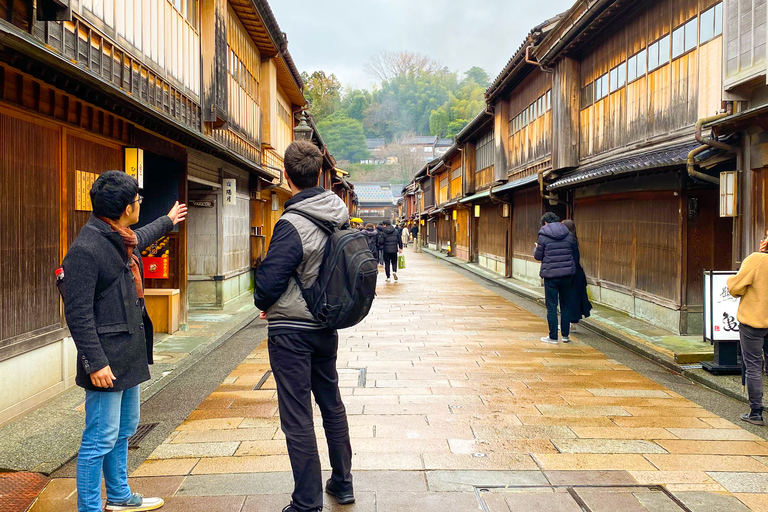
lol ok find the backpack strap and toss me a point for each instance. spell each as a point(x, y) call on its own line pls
point(326, 226)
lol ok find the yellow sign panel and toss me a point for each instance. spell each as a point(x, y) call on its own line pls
point(83, 183)
point(477, 211)
point(134, 164)
point(455, 214)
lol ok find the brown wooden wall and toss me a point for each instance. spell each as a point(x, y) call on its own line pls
point(492, 231)
point(461, 226)
point(444, 228)
point(30, 167)
point(532, 142)
point(88, 156)
point(661, 101)
point(526, 222)
point(631, 242)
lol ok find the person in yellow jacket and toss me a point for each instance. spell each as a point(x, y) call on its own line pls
point(751, 284)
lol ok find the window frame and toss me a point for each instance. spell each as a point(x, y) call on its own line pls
point(656, 48)
point(683, 32)
point(717, 23)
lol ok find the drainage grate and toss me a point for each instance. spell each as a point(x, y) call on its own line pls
point(585, 498)
point(141, 432)
point(263, 380)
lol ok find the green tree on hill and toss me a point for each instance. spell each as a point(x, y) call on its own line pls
point(344, 137)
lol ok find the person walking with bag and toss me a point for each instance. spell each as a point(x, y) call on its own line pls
point(556, 251)
point(579, 298)
point(302, 352)
point(751, 284)
point(390, 244)
point(103, 292)
point(372, 235)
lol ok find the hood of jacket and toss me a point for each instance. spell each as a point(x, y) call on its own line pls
point(555, 231)
point(370, 232)
point(323, 205)
point(388, 230)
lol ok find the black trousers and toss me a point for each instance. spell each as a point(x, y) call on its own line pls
point(304, 363)
point(556, 290)
point(390, 259)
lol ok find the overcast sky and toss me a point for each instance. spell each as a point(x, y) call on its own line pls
point(339, 36)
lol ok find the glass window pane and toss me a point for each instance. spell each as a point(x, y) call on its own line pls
point(549, 100)
point(614, 80)
point(664, 50)
point(707, 25)
point(718, 19)
point(653, 56)
point(632, 68)
point(605, 85)
point(690, 35)
point(678, 42)
point(622, 71)
point(641, 63)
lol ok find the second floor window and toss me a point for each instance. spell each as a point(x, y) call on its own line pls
point(658, 53)
point(684, 38)
point(636, 66)
point(711, 23)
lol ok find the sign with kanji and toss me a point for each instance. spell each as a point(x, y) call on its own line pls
point(720, 308)
point(134, 164)
point(230, 191)
point(83, 183)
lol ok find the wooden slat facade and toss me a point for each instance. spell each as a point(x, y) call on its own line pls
point(530, 124)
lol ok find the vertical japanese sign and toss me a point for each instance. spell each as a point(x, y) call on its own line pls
point(720, 308)
point(134, 164)
point(230, 191)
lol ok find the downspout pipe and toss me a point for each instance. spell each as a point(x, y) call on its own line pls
point(530, 60)
point(545, 196)
point(706, 144)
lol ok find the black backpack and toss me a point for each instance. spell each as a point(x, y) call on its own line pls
point(345, 287)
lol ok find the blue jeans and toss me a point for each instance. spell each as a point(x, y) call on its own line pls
point(111, 417)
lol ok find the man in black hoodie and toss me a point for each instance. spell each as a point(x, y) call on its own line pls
point(391, 244)
point(555, 250)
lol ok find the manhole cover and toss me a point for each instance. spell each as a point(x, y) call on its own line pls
point(141, 432)
point(19, 490)
point(588, 498)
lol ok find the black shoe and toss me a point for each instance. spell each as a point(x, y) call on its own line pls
point(755, 417)
point(341, 499)
point(290, 508)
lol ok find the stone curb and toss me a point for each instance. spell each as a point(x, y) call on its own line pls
point(597, 327)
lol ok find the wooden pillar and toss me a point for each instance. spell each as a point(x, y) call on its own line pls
point(501, 139)
point(565, 114)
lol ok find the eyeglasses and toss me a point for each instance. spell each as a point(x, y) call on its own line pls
point(139, 200)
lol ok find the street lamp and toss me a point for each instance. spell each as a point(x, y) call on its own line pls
point(303, 131)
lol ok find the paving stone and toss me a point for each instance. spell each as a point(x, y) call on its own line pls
point(589, 478)
point(754, 501)
point(491, 461)
point(165, 467)
point(426, 501)
point(714, 434)
point(633, 393)
point(714, 447)
point(237, 484)
point(554, 410)
point(549, 501)
point(523, 432)
point(606, 446)
point(190, 450)
point(224, 435)
point(387, 461)
point(203, 503)
point(593, 461)
point(246, 464)
point(389, 481)
point(741, 482)
point(656, 502)
point(710, 502)
point(690, 476)
point(453, 481)
point(604, 500)
point(674, 462)
point(622, 433)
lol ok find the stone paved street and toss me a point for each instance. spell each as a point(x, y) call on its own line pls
point(455, 405)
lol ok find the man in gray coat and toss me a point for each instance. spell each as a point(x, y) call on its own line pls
point(302, 353)
point(103, 292)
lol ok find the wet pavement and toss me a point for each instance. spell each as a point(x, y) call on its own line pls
point(454, 404)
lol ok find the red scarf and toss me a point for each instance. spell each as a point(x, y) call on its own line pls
point(131, 241)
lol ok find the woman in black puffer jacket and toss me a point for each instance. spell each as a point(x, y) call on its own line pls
point(556, 250)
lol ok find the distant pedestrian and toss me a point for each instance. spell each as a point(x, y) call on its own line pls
point(372, 235)
point(404, 235)
point(380, 250)
point(302, 353)
point(104, 306)
point(415, 232)
point(751, 284)
point(390, 244)
point(555, 250)
point(579, 298)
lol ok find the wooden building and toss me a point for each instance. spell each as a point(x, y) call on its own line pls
point(190, 97)
point(645, 72)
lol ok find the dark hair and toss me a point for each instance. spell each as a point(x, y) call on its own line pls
point(303, 162)
point(572, 228)
point(112, 192)
point(386, 223)
point(549, 218)
point(370, 226)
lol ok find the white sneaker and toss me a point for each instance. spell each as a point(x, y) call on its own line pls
point(395, 276)
point(388, 279)
point(547, 339)
point(566, 339)
point(137, 503)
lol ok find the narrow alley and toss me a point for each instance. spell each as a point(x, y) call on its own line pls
point(455, 405)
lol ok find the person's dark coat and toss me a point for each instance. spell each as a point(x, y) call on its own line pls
point(372, 237)
point(579, 299)
point(556, 251)
point(415, 231)
point(106, 318)
point(389, 239)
